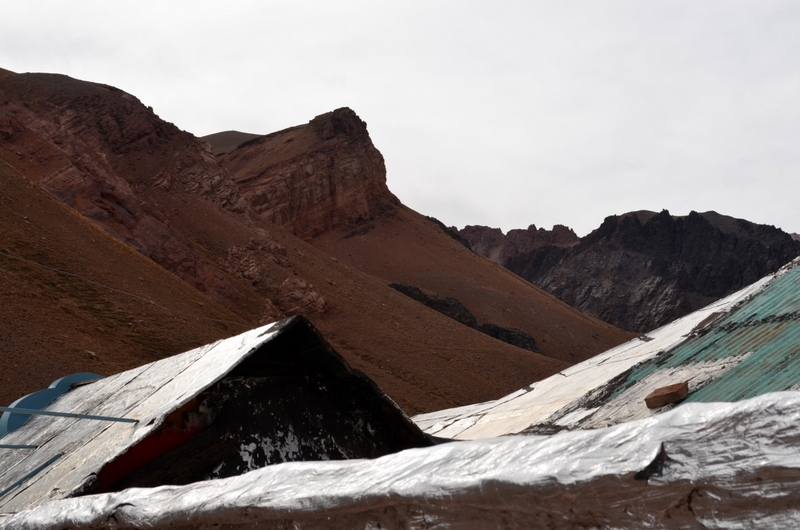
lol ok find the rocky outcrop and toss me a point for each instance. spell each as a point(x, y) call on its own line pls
point(313, 177)
point(515, 337)
point(447, 305)
point(499, 247)
point(451, 231)
point(298, 297)
point(641, 270)
point(453, 308)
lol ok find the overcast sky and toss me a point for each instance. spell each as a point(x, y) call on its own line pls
point(499, 113)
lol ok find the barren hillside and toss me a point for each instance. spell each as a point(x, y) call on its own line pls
point(161, 192)
point(325, 181)
point(74, 299)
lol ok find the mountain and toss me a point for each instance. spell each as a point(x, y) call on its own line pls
point(642, 269)
point(315, 177)
point(326, 182)
point(250, 231)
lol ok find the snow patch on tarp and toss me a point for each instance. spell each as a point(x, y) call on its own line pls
point(720, 465)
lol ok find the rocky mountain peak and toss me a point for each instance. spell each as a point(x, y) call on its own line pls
point(342, 121)
point(314, 177)
point(641, 269)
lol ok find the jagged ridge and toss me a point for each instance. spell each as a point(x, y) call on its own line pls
point(641, 270)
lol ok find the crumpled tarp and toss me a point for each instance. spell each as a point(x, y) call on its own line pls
point(720, 465)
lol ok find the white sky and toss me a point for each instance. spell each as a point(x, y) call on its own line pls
point(501, 113)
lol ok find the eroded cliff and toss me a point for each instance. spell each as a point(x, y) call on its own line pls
point(313, 177)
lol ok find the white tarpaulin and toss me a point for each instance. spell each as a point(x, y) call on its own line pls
point(711, 465)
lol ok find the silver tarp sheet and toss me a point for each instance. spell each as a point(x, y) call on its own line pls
point(712, 465)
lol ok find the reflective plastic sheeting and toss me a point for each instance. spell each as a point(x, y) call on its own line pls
point(712, 465)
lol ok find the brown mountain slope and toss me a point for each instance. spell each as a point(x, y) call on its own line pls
point(53, 324)
point(419, 357)
point(332, 172)
point(226, 141)
point(102, 152)
point(408, 248)
point(51, 320)
point(160, 191)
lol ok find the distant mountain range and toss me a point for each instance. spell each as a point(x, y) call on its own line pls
point(643, 269)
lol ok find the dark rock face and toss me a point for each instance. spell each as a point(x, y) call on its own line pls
point(642, 270)
point(512, 336)
point(453, 308)
point(499, 247)
point(451, 231)
point(447, 305)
